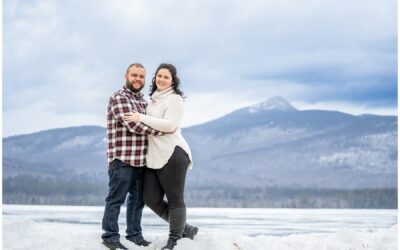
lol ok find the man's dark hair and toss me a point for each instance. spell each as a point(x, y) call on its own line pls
point(138, 65)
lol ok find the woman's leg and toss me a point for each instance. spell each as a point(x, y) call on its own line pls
point(172, 179)
point(153, 193)
point(154, 198)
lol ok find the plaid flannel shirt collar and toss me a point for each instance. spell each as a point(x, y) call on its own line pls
point(132, 94)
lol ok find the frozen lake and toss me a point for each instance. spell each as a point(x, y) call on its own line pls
point(74, 227)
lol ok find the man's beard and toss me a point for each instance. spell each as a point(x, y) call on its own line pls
point(129, 85)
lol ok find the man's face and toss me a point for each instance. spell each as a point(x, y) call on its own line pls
point(135, 79)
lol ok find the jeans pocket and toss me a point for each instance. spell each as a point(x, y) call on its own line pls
point(111, 178)
point(115, 164)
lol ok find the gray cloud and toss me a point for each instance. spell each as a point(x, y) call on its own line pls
point(69, 56)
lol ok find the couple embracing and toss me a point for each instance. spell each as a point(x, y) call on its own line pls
point(147, 156)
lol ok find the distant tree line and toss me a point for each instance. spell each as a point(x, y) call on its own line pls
point(35, 190)
point(279, 197)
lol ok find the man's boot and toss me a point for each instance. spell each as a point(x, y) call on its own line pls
point(113, 245)
point(177, 221)
point(189, 231)
point(139, 240)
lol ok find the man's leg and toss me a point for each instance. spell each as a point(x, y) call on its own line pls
point(134, 210)
point(134, 207)
point(139, 205)
point(119, 183)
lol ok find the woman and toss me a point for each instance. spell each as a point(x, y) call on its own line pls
point(168, 156)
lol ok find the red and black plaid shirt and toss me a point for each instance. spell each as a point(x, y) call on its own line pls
point(127, 141)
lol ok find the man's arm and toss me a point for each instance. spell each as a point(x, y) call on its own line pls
point(120, 105)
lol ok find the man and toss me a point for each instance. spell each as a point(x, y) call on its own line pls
point(127, 147)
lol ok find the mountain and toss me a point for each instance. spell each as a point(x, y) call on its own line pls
point(276, 103)
point(271, 144)
point(65, 152)
point(275, 144)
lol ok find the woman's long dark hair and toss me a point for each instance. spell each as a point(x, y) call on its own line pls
point(175, 79)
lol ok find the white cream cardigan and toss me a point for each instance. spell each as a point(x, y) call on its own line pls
point(164, 113)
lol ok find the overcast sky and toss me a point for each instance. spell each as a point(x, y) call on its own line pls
point(63, 59)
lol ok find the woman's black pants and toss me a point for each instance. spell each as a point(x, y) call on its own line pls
point(168, 181)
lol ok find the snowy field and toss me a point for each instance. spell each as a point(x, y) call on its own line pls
point(70, 227)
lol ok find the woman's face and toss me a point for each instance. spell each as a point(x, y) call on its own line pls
point(163, 79)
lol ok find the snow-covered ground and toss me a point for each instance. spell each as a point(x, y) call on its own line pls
point(65, 227)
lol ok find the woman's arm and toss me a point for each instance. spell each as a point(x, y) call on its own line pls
point(172, 118)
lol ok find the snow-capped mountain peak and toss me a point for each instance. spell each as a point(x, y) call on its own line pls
point(274, 103)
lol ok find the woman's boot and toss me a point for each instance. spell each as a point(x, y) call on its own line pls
point(189, 231)
point(177, 221)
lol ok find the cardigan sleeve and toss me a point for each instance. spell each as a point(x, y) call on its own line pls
point(172, 118)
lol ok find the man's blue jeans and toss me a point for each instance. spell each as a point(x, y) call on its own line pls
point(123, 179)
